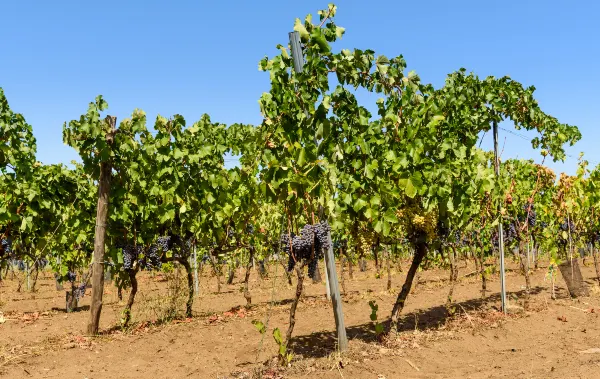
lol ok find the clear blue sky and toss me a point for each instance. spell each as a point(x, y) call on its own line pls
point(194, 57)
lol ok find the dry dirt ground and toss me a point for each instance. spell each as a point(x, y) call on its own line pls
point(552, 339)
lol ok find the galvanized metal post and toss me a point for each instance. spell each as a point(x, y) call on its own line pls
point(500, 231)
point(330, 269)
point(195, 258)
point(327, 287)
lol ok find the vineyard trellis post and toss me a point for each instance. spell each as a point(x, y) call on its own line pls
point(104, 183)
point(195, 258)
point(330, 269)
point(500, 231)
point(327, 288)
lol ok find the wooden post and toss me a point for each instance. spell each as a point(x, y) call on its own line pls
point(100, 234)
point(331, 274)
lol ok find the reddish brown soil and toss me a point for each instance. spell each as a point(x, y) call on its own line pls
point(39, 340)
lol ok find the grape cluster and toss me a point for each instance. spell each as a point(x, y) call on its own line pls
point(130, 255)
point(21, 265)
point(71, 276)
point(543, 224)
point(80, 291)
point(308, 246)
point(165, 243)
point(366, 240)
point(5, 247)
point(42, 262)
point(151, 258)
point(568, 226)
point(530, 214)
point(459, 240)
point(510, 232)
point(249, 229)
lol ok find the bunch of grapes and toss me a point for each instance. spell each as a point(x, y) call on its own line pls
point(130, 255)
point(165, 243)
point(5, 247)
point(151, 259)
point(71, 276)
point(510, 232)
point(530, 214)
point(568, 226)
point(366, 241)
point(249, 229)
point(308, 246)
point(543, 225)
point(42, 262)
point(80, 291)
point(21, 265)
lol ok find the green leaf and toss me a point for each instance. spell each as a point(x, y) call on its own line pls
point(277, 336)
point(302, 157)
point(386, 228)
point(414, 185)
point(260, 326)
point(319, 39)
point(359, 204)
point(301, 29)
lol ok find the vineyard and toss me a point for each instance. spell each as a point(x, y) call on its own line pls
point(344, 244)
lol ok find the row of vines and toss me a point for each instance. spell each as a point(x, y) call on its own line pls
point(409, 178)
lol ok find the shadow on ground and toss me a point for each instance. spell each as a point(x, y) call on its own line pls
point(322, 344)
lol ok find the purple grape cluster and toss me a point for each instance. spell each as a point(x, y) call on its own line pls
point(71, 276)
point(130, 255)
point(568, 226)
point(308, 246)
point(530, 214)
point(5, 247)
point(80, 291)
point(151, 259)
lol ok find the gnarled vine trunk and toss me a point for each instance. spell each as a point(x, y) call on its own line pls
point(343, 274)
point(376, 255)
point(317, 277)
point(134, 287)
point(299, 288)
point(247, 277)
point(596, 266)
point(420, 253)
point(453, 273)
point(190, 279)
point(231, 275)
point(217, 271)
point(71, 299)
point(350, 265)
point(480, 257)
point(525, 269)
point(389, 269)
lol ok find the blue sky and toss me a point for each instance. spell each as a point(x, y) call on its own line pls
point(193, 57)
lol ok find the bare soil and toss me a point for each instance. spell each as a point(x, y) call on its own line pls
point(550, 339)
